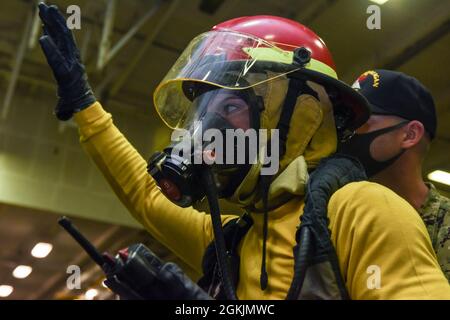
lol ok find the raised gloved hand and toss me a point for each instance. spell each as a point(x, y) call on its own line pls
point(63, 57)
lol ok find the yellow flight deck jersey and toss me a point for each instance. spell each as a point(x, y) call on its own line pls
point(371, 228)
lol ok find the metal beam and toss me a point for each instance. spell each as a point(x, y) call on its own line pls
point(106, 53)
point(105, 42)
point(16, 68)
point(51, 87)
point(409, 52)
point(35, 26)
point(88, 28)
point(144, 46)
point(313, 11)
point(85, 42)
point(431, 22)
point(133, 30)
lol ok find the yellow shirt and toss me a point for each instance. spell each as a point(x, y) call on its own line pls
point(371, 227)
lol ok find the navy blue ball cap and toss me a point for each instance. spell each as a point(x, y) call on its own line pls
point(395, 93)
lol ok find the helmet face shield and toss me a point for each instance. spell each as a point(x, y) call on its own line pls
point(220, 59)
point(238, 108)
point(225, 104)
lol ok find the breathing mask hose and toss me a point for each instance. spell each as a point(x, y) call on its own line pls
point(221, 251)
point(301, 264)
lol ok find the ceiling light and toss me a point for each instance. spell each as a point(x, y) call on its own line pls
point(41, 250)
point(380, 2)
point(5, 290)
point(21, 272)
point(440, 176)
point(91, 294)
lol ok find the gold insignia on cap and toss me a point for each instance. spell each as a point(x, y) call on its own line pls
point(375, 77)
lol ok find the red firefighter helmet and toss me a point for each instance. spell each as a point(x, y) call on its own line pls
point(246, 52)
point(284, 33)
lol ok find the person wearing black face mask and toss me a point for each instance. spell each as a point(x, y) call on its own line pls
point(393, 143)
point(360, 145)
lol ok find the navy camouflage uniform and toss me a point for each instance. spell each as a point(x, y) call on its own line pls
point(435, 212)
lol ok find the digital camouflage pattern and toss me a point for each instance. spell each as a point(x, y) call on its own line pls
point(435, 212)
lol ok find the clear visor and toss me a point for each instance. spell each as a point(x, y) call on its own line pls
point(217, 60)
point(222, 109)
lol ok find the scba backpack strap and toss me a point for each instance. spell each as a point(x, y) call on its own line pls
point(316, 268)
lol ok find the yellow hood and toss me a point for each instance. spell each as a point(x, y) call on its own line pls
point(311, 137)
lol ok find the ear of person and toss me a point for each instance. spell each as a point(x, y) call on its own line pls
point(414, 133)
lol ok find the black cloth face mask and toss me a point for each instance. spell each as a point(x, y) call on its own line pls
point(359, 147)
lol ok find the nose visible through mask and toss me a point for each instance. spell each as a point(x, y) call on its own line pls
point(233, 109)
point(222, 111)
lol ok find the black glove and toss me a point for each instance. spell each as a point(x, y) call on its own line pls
point(180, 286)
point(63, 56)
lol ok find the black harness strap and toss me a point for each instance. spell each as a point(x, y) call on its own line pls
point(313, 236)
point(234, 231)
point(297, 86)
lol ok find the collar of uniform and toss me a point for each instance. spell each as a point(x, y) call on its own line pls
point(432, 195)
point(292, 206)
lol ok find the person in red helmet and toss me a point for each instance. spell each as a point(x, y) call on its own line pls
point(259, 72)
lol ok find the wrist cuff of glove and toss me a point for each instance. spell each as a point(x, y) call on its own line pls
point(66, 108)
point(84, 102)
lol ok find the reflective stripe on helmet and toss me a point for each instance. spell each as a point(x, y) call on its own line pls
point(284, 56)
